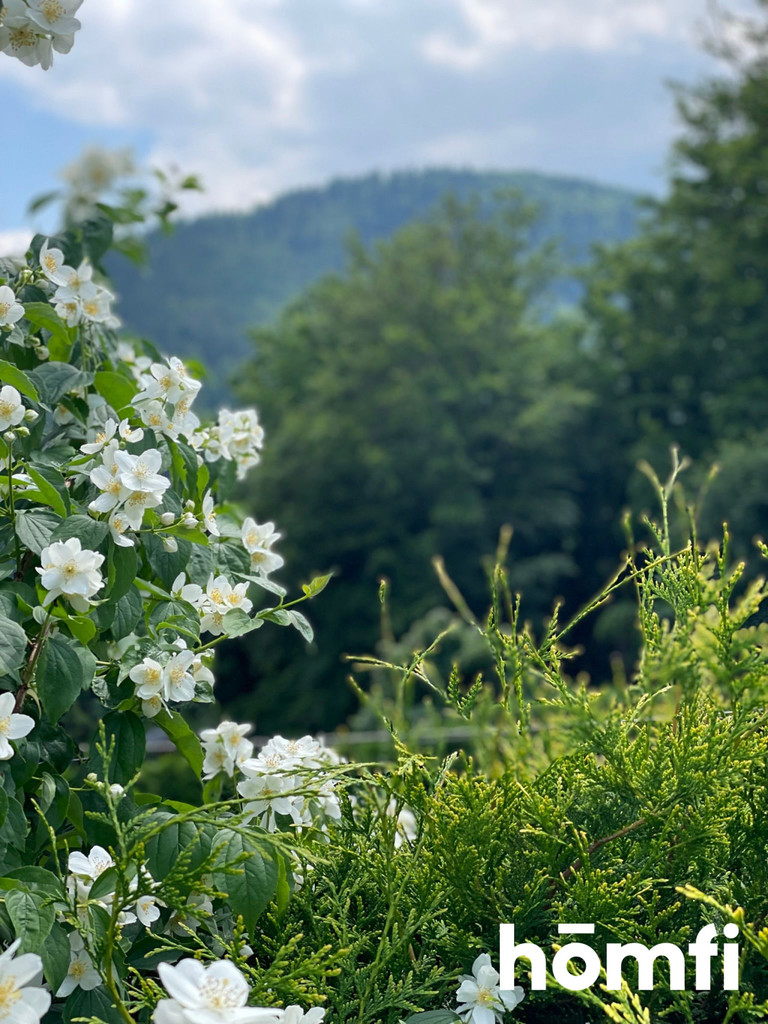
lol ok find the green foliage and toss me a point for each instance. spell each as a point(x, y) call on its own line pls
point(216, 277)
point(606, 806)
point(414, 406)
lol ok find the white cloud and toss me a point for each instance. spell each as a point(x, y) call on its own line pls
point(262, 95)
point(14, 241)
point(491, 27)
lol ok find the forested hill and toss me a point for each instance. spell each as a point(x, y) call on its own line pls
point(215, 277)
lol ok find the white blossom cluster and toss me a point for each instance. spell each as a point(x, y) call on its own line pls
point(290, 778)
point(175, 678)
point(237, 437)
point(77, 298)
point(218, 994)
point(165, 397)
point(31, 30)
point(212, 603)
point(84, 869)
point(226, 748)
point(129, 485)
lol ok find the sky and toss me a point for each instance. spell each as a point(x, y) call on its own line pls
point(262, 96)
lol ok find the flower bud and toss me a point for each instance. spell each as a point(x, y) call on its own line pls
point(9, 436)
point(166, 518)
point(170, 545)
point(190, 505)
point(189, 521)
point(92, 777)
point(42, 352)
point(116, 790)
point(22, 431)
point(30, 416)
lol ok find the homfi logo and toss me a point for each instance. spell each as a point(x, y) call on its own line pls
point(703, 950)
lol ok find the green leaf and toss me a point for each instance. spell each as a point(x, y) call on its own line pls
point(186, 741)
point(35, 879)
point(55, 953)
point(90, 532)
point(177, 836)
point(59, 676)
point(254, 884)
point(81, 627)
point(32, 918)
point(13, 646)
point(51, 493)
point(105, 884)
point(237, 623)
point(318, 584)
point(97, 237)
point(301, 623)
point(54, 380)
point(42, 314)
point(125, 734)
point(166, 564)
point(177, 614)
point(10, 374)
point(116, 388)
point(94, 1004)
point(122, 565)
point(127, 613)
point(34, 528)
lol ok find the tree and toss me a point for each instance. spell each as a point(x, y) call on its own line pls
point(679, 315)
point(414, 405)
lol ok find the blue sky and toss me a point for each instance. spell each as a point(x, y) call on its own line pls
point(260, 96)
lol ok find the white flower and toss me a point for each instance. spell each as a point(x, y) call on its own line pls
point(258, 540)
point(136, 503)
point(113, 491)
point(71, 311)
point(167, 383)
point(225, 748)
point(69, 569)
point(178, 682)
point(97, 307)
point(11, 408)
point(87, 868)
point(269, 795)
point(480, 1001)
point(12, 726)
point(52, 264)
point(55, 16)
point(101, 439)
point(295, 1015)
point(21, 1000)
point(81, 972)
point(152, 706)
point(216, 994)
point(78, 284)
point(118, 524)
point(129, 434)
point(148, 676)
point(147, 910)
point(209, 518)
point(20, 37)
point(192, 593)
point(223, 596)
point(241, 436)
point(140, 472)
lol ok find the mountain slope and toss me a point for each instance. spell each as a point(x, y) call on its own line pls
point(219, 275)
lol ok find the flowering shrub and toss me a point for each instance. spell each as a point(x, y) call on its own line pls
point(124, 566)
